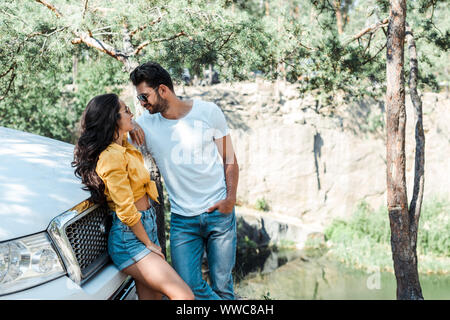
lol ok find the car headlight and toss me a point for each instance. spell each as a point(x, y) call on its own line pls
point(27, 262)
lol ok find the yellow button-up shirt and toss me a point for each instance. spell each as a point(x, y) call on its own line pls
point(126, 180)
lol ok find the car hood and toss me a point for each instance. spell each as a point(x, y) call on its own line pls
point(37, 182)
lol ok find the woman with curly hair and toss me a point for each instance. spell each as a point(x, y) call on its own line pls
point(113, 171)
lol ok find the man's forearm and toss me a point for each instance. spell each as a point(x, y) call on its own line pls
point(231, 179)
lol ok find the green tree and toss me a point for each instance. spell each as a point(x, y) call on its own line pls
point(403, 219)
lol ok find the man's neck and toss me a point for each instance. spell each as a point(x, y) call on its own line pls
point(178, 109)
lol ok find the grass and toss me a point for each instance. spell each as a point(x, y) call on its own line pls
point(363, 241)
point(285, 244)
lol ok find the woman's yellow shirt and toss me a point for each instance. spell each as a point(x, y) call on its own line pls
point(126, 180)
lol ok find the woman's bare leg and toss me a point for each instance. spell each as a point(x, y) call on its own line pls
point(145, 293)
point(157, 275)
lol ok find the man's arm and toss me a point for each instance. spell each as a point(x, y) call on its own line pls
point(231, 168)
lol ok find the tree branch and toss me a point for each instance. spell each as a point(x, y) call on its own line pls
point(132, 33)
point(88, 39)
point(373, 57)
point(85, 7)
point(35, 34)
point(225, 42)
point(368, 44)
point(141, 47)
point(100, 45)
point(370, 29)
point(146, 43)
point(51, 7)
point(10, 68)
point(13, 76)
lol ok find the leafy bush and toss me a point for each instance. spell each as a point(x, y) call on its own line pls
point(364, 239)
point(262, 205)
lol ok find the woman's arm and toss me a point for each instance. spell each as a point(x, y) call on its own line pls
point(142, 235)
point(112, 170)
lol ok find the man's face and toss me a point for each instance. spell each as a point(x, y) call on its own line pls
point(155, 103)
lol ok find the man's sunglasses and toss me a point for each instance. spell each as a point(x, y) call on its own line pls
point(143, 96)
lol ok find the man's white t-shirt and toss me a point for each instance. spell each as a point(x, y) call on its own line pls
point(187, 156)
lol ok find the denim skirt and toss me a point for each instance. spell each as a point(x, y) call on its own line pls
point(124, 247)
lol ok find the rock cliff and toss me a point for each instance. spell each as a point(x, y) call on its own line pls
point(315, 167)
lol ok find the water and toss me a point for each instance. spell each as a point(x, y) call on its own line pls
point(295, 275)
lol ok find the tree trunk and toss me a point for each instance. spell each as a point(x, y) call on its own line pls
point(419, 167)
point(403, 249)
point(416, 202)
point(339, 21)
point(210, 78)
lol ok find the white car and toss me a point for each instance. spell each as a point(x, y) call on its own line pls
point(53, 243)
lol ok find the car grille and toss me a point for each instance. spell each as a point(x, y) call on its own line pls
point(88, 237)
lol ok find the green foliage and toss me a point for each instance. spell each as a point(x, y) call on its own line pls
point(262, 205)
point(314, 248)
point(376, 123)
point(32, 86)
point(434, 228)
point(247, 243)
point(335, 65)
point(331, 65)
point(96, 74)
point(47, 76)
point(364, 239)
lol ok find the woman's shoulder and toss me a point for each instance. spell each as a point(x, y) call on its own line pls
point(113, 150)
point(113, 155)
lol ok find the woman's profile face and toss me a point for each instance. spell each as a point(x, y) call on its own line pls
point(124, 122)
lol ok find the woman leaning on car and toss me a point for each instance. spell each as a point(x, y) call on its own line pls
point(113, 171)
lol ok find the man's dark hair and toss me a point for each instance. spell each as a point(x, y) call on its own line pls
point(153, 74)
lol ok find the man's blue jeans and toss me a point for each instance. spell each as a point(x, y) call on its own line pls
point(188, 238)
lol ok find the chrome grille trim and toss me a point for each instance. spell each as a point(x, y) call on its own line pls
point(57, 231)
point(89, 240)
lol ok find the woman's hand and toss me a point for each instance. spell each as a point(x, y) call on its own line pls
point(142, 235)
point(156, 249)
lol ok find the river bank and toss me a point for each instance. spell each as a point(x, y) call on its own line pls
point(316, 278)
point(351, 259)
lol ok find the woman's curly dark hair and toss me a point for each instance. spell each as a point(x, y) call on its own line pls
point(98, 130)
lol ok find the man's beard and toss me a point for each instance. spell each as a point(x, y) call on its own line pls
point(161, 105)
